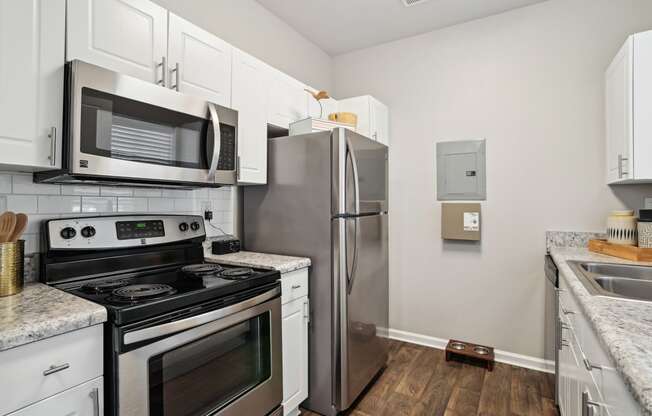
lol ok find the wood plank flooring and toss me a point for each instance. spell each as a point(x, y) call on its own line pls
point(419, 382)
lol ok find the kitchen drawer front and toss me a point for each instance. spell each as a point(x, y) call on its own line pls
point(294, 285)
point(33, 367)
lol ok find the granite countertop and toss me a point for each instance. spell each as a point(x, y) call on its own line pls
point(40, 312)
point(623, 326)
point(283, 264)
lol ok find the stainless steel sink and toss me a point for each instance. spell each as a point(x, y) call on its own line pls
point(615, 280)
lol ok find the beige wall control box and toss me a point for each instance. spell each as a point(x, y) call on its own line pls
point(460, 221)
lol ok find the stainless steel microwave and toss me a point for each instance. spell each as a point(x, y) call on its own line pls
point(123, 130)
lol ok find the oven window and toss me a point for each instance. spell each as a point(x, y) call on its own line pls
point(205, 375)
point(121, 128)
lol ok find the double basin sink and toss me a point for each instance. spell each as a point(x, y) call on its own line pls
point(615, 280)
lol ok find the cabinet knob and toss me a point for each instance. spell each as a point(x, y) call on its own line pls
point(590, 366)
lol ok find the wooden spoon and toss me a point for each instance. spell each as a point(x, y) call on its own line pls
point(21, 224)
point(7, 224)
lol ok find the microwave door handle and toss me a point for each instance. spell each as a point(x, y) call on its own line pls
point(217, 142)
point(194, 321)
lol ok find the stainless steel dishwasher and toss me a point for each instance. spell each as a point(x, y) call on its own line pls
point(551, 349)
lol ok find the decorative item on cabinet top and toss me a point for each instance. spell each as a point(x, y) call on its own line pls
point(344, 117)
point(318, 96)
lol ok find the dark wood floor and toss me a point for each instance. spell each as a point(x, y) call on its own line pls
point(419, 382)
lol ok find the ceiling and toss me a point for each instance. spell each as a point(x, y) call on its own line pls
point(340, 26)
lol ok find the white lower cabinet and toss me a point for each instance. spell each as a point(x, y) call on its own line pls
point(84, 400)
point(296, 319)
point(46, 374)
point(589, 383)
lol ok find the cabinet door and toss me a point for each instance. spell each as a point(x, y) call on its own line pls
point(84, 400)
point(32, 48)
point(361, 107)
point(379, 121)
point(642, 105)
point(618, 114)
point(200, 62)
point(295, 353)
point(126, 36)
point(250, 79)
point(288, 101)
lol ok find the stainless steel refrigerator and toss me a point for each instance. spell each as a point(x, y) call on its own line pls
point(326, 198)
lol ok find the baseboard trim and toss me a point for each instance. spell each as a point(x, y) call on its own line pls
point(505, 357)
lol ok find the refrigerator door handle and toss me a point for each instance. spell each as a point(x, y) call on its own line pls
point(356, 191)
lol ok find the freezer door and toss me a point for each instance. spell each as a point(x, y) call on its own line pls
point(359, 174)
point(363, 301)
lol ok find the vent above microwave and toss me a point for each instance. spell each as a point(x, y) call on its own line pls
point(409, 3)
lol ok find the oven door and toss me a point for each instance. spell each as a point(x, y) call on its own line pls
point(225, 362)
point(123, 127)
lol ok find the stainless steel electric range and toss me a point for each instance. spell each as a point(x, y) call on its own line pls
point(183, 337)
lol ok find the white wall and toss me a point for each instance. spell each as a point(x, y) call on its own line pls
point(530, 81)
point(252, 28)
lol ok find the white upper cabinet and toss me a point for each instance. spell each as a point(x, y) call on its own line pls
point(32, 48)
point(199, 62)
point(126, 36)
point(373, 116)
point(249, 92)
point(628, 112)
point(288, 100)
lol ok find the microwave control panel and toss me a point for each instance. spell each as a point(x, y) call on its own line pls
point(227, 156)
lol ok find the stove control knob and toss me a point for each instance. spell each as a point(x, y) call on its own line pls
point(183, 226)
point(68, 233)
point(88, 231)
point(194, 225)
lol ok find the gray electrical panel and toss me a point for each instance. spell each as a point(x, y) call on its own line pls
point(461, 171)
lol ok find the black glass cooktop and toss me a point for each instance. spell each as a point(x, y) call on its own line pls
point(132, 297)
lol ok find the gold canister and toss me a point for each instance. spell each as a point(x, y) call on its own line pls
point(12, 263)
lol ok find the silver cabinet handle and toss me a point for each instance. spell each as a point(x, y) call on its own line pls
point(53, 146)
point(565, 343)
point(95, 396)
point(565, 326)
point(558, 290)
point(296, 286)
point(567, 312)
point(217, 142)
point(306, 310)
point(590, 366)
point(237, 167)
point(164, 70)
point(175, 71)
point(621, 170)
point(55, 369)
point(588, 405)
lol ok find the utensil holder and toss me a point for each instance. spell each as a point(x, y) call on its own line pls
point(12, 263)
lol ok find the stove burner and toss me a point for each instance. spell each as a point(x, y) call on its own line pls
point(202, 269)
point(138, 292)
point(240, 273)
point(103, 287)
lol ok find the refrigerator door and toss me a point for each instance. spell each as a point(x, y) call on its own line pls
point(359, 174)
point(363, 303)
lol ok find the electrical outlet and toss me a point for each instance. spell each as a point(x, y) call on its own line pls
point(648, 203)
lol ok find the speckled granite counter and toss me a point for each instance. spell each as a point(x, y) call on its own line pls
point(40, 311)
point(283, 264)
point(624, 327)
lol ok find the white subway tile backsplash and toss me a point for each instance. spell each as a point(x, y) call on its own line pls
point(222, 205)
point(98, 204)
point(201, 193)
point(90, 190)
point(27, 204)
point(115, 191)
point(34, 222)
point(5, 184)
point(176, 193)
point(24, 184)
point(59, 204)
point(147, 192)
point(132, 204)
point(161, 205)
point(184, 205)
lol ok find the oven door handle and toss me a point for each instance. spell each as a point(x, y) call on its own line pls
point(194, 321)
point(217, 141)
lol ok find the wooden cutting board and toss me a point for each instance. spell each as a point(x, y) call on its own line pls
point(617, 250)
